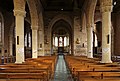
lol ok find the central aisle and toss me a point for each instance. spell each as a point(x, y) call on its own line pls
point(61, 72)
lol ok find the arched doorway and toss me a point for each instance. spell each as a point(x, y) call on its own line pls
point(97, 39)
point(61, 37)
point(27, 40)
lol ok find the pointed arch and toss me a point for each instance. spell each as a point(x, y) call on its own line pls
point(1, 28)
point(90, 14)
point(33, 13)
point(54, 20)
point(84, 22)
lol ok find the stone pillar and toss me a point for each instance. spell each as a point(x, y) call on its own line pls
point(63, 41)
point(67, 42)
point(34, 43)
point(89, 42)
point(19, 16)
point(58, 41)
point(41, 43)
point(106, 8)
point(11, 45)
point(53, 44)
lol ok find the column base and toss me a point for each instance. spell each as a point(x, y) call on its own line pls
point(106, 61)
point(89, 55)
point(34, 56)
point(19, 62)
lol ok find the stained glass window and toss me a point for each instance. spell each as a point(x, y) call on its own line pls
point(56, 41)
point(26, 40)
point(60, 42)
point(65, 41)
point(0, 31)
point(29, 38)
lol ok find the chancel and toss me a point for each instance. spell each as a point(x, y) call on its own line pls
point(59, 40)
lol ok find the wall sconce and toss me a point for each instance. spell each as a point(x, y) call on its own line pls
point(46, 41)
point(77, 41)
point(40, 45)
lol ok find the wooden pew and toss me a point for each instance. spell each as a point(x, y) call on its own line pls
point(49, 60)
point(89, 65)
point(26, 69)
point(89, 75)
point(22, 77)
point(82, 75)
point(111, 75)
point(32, 67)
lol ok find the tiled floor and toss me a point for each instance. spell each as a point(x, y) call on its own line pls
point(61, 72)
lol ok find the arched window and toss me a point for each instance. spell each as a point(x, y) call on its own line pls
point(25, 40)
point(1, 27)
point(56, 41)
point(65, 41)
point(60, 42)
point(96, 43)
point(29, 38)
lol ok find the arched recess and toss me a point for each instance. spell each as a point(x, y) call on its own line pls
point(27, 40)
point(90, 24)
point(84, 22)
point(1, 34)
point(60, 30)
point(12, 31)
point(33, 13)
point(90, 13)
point(51, 24)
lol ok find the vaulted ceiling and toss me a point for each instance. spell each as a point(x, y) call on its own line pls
point(7, 5)
point(116, 6)
point(65, 5)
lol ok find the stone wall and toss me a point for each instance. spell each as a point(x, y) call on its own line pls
point(116, 25)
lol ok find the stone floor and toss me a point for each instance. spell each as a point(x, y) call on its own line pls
point(62, 73)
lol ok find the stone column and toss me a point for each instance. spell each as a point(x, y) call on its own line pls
point(67, 42)
point(34, 43)
point(89, 42)
point(41, 43)
point(19, 16)
point(63, 41)
point(106, 8)
point(11, 45)
point(53, 43)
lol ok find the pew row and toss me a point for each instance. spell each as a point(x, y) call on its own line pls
point(86, 76)
point(15, 72)
point(78, 65)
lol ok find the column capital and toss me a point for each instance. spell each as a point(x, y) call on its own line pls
point(19, 12)
point(106, 9)
point(106, 6)
point(34, 27)
point(89, 26)
point(106, 2)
